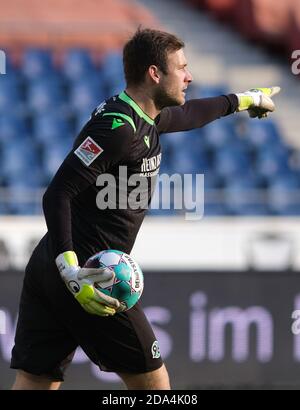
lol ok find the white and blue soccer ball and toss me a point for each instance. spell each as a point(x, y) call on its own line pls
point(128, 282)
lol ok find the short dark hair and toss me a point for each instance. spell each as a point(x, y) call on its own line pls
point(147, 47)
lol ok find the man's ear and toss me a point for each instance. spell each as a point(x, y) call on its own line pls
point(154, 73)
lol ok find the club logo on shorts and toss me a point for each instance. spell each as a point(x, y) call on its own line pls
point(155, 350)
point(88, 151)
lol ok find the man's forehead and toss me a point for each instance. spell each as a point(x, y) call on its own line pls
point(177, 57)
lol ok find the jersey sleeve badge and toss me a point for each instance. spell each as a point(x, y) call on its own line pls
point(88, 151)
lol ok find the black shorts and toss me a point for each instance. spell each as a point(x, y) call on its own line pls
point(52, 324)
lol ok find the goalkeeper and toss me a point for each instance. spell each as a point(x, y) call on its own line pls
point(60, 309)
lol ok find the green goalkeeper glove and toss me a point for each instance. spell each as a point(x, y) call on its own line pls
point(257, 101)
point(80, 282)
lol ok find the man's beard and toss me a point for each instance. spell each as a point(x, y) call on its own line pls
point(162, 99)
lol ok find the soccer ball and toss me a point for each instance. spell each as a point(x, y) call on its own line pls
point(128, 284)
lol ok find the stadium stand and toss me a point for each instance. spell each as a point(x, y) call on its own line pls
point(69, 23)
point(46, 97)
point(277, 24)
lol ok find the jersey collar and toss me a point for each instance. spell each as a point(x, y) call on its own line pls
point(124, 97)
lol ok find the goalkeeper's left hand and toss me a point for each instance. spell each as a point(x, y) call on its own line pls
point(81, 283)
point(257, 101)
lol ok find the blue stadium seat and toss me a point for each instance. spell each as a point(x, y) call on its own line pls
point(12, 78)
point(113, 76)
point(213, 198)
point(11, 96)
point(54, 156)
point(273, 161)
point(186, 162)
point(37, 63)
point(77, 64)
point(23, 183)
point(230, 161)
point(85, 96)
point(284, 194)
point(215, 209)
point(218, 134)
point(12, 128)
point(22, 208)
point(262, 134)
point(26, 176)
point(294, 160)
point(185, 152)
point(45, 94)
point(51, 129)
point(19, 155)
point(112, 65)
point(24, 198)
point(193, 139)
point(246, 196)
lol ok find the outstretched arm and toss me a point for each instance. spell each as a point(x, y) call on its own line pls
point(196, 113)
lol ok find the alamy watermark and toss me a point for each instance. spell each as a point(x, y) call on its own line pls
point(296, 323)
point(296, 64)
point(2, 62)
point(2, 322)
point(172, 192)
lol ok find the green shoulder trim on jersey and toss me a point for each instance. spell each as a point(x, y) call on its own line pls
point(124, 116)
point(124, 97)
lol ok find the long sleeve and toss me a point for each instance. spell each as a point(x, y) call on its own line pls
point(99, 149)
point(196, 113)
point(57, 206)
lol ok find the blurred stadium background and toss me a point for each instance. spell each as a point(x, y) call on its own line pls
point(219, 292)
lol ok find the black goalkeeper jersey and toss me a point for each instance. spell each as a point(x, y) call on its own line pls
point(119, 140)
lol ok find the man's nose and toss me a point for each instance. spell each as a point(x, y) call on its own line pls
point(189, 77)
